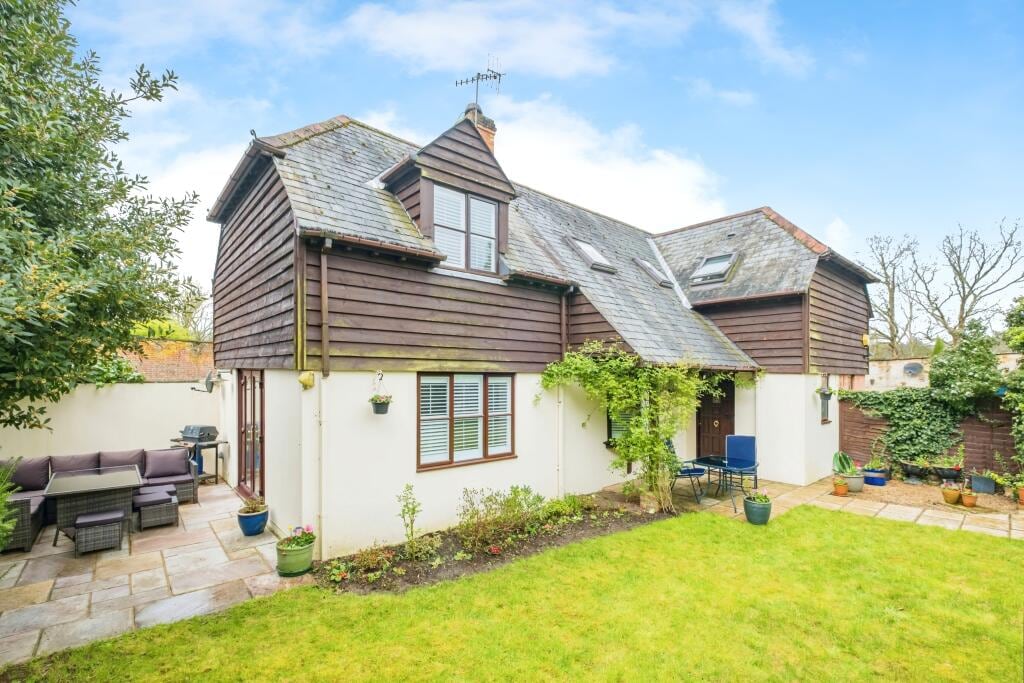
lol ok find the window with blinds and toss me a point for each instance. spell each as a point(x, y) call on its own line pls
point(465, 230)
point(617, 425)
point(464, 418)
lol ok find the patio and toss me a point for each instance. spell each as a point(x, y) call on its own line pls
point(50, 600)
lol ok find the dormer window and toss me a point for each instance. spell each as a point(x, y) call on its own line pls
point(465, 230)
point(713, 269)
point(593, 258)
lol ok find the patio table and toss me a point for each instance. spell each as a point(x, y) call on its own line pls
point(720, 464)
point(93, 490)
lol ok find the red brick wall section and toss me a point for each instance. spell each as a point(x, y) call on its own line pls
point(164, 360)
point(984, 435)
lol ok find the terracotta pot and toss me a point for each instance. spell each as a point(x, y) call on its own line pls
point(969, 499)
point(1020, 496)
point(951, 496)
point(840, 490)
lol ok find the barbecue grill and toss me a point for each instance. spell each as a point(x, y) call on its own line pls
point(198, 433)
point(199, 437)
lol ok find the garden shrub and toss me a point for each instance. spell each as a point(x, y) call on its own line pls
point(488, 517)
point(968, 373)
point(375, 558)
point(570, 506)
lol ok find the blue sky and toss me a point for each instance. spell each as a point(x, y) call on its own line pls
point(850, 119)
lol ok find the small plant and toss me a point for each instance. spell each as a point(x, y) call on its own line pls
point(338, 571)
point(376, 558)
point(415, 548)
point(251, 506)
point(436, 562)
point(398, 571)
point(838, 481)
point(380, 399)
point(756, 496)
point(494, 550)
point(462, 555)
point(489, 517)
point(843, 464)
point(299, 538)
point(374, 577)
point(875, 463)
point(570, 506)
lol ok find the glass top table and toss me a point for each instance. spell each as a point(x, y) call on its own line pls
point(87, 481)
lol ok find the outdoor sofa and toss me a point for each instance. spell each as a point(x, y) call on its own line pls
point(31, 475)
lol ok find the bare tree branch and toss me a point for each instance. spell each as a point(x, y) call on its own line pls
point(893, 310)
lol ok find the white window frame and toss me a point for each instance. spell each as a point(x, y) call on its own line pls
point(467, 232)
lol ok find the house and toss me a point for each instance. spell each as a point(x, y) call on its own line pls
point(353, 262)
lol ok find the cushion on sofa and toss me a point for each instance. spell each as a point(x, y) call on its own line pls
point(36, 502)
point(71, 463)
point(119, 458)
point(173, 479)
point(31, 474)
point(166, 462)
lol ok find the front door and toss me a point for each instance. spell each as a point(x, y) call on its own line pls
point(250, 432)
point(716, 419)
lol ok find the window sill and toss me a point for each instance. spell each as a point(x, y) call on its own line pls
point(826, 422)
point(478, 461)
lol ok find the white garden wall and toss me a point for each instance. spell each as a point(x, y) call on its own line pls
point(115, 417)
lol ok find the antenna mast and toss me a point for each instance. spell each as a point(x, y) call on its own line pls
point(491, 75)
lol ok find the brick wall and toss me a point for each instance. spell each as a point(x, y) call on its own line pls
point(983, 436)
point(164, 360)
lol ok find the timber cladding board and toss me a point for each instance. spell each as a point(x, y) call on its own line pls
point(771, 331)
point(839, 311)
point(587, 323)
point(461, 158)
point(254, 283)
point(400, 316)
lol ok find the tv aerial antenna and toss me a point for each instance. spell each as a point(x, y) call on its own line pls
point(491, 75)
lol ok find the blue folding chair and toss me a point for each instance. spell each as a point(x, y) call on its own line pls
point(740, 462)
point(689, 470)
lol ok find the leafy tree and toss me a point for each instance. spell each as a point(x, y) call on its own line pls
point(963, 375)
point(1013, 400)
point(7, 487)
point(84, 253)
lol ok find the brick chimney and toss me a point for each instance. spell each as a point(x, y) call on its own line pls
point(483, 124)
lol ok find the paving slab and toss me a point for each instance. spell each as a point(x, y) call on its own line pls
point(902, 513)
point(148, 580)
point(233, 539)
point(944, 522)
point(191, 604)
point(195, 561)
point(134, 600)
point(175, 539)
point(9, 573)
point(44, 614)
point(22, 596)
point(90, 586)
point(270, 583)
point(55, 566)
point(219, 574)
point(18, 647)
point(129, 565)
point(993, 521)
point(1001, 533)
point(76, 633)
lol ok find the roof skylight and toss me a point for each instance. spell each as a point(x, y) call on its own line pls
point(656, 274)
point(713, 269)
point(594, 258)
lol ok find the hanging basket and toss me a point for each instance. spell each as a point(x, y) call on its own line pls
point(380, 408)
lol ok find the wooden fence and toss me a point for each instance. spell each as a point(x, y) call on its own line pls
point(984, 435)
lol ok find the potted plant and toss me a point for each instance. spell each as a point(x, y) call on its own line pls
point(969, 498)
point(914, 470)
point(950, 492)
point(295, 552)
point(757, 506)
point(843, 466)
point(984, 482)
point(840, 487)
point(948, 468)
point(875, 471)
point(380, 403)
point(253, 515)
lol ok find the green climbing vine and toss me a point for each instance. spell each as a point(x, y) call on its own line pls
point(655, 402)
point(921, 427)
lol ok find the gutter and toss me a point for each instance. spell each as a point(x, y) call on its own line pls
point(753, 297)
point(374, 245)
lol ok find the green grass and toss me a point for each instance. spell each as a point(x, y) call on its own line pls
point(816, 595)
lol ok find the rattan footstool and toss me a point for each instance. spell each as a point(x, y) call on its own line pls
point(98, 531)
point(156, 509)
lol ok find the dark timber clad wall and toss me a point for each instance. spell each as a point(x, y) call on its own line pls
point(253, 290)
point(461, 159)
point(399, 316)
point(586, 322)
point(839, 313)
point(772, 332)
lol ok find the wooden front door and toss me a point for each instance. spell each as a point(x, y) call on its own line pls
point(250, 433)
point(716, 419)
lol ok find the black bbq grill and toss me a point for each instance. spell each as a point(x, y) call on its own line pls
point(199, 433)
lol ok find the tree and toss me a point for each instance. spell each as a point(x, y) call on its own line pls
point(194, 312)
point(969, 279)
point(84, 253)
point(893, 318)
point(964, 375)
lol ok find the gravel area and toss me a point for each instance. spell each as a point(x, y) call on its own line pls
point(929, 496)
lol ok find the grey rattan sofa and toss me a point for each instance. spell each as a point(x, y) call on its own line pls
point(31, 475)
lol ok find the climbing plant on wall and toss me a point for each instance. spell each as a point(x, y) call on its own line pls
point(1013, 400)
point(655, 402)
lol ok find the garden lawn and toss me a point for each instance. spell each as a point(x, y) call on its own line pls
point(816, 595)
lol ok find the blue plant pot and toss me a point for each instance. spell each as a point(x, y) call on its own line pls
point(981, 484)
point(757, 513)
point(254, 523)
point(874, 477)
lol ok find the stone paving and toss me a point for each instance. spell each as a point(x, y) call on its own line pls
point(50, 600)
point(785, 497)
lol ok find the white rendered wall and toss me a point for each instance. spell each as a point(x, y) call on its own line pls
point(587, 462)
point(282, 445)
point(115, 417)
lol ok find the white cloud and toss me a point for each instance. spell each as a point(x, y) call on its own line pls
point(548, 147)
point(703, 89)
point(839, 236)
point(387, 119)
point(758, 23)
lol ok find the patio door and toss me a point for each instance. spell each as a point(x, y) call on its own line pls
point(250, 433)
point(716, 419)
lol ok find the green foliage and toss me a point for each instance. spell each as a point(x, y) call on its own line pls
point(964, 374)
point(424, 547)
point(84, 253)
point(843, 464)
point(375, 558)
point(572, 506)
point(488, 517)
point(655, 401)
point(1014, 335)
point(114, 370)
point(1013, 399)
point(7, 487)
point(252, 505)
point(920, 426)
point(759, 496)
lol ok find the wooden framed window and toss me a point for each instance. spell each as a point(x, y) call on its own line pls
point(464, 419)
point(466, 230)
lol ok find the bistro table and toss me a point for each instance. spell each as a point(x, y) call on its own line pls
point(95, 490)
point(726, 474)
